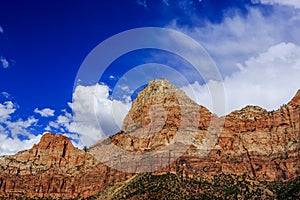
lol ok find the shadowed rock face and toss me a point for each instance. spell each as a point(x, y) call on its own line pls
point(163, 132)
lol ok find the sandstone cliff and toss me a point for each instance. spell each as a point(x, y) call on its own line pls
point(164, 132)
point(52, 168)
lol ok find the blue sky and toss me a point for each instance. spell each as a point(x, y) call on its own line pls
point(254, 44)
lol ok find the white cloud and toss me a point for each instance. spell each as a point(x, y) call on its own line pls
point(268, 80)
point(9, 146)
point(239, 37)
point(4, 62)
point(1, 29)
point(95, 115)
point(257, 55)
point(6, 109)
point(48, 128)
point(46, 112)
point(53, 125)
point(11, 128)
point(21, 126)
point(111, 77)
point(294, 3)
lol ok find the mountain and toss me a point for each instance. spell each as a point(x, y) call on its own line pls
point(52, 168)
point(165, 127)
point(169, 146)
point(159, 128)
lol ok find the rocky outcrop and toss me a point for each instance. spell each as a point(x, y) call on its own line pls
point(53, 168)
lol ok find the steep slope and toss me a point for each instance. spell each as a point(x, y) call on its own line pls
point(160, 126)
point(52, 168)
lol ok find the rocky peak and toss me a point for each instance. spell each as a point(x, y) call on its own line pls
point(53, 149)
point(52, 168)
point(161, 115)
point(50, 141)
point(159, 101)
point(249, 113)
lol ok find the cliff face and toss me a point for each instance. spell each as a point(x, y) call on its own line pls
point(163, 132)
point(269, 142)
point(53, 168)
point(165, 127)
point(158, 129)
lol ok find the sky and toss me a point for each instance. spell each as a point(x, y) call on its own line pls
point(74, 67)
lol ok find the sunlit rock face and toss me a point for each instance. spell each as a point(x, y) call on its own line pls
point(52, 168)
point(164, 132)
point(168, 127)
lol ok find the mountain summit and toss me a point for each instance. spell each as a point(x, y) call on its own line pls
point(162, 108)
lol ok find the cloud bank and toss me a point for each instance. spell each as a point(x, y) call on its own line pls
point(268, 80)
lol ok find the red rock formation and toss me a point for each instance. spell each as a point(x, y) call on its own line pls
point(162, 120)
point(163, 127)
point(53, 168)
point(163, 132)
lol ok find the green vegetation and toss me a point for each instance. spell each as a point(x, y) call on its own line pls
point(171, 186)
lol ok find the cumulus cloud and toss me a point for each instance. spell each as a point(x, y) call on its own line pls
point(11, 129)
point(9, 146)
point(294, 3)
point(46, 112)
point(95, 115)
point(4, 62)
point(268, 80)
